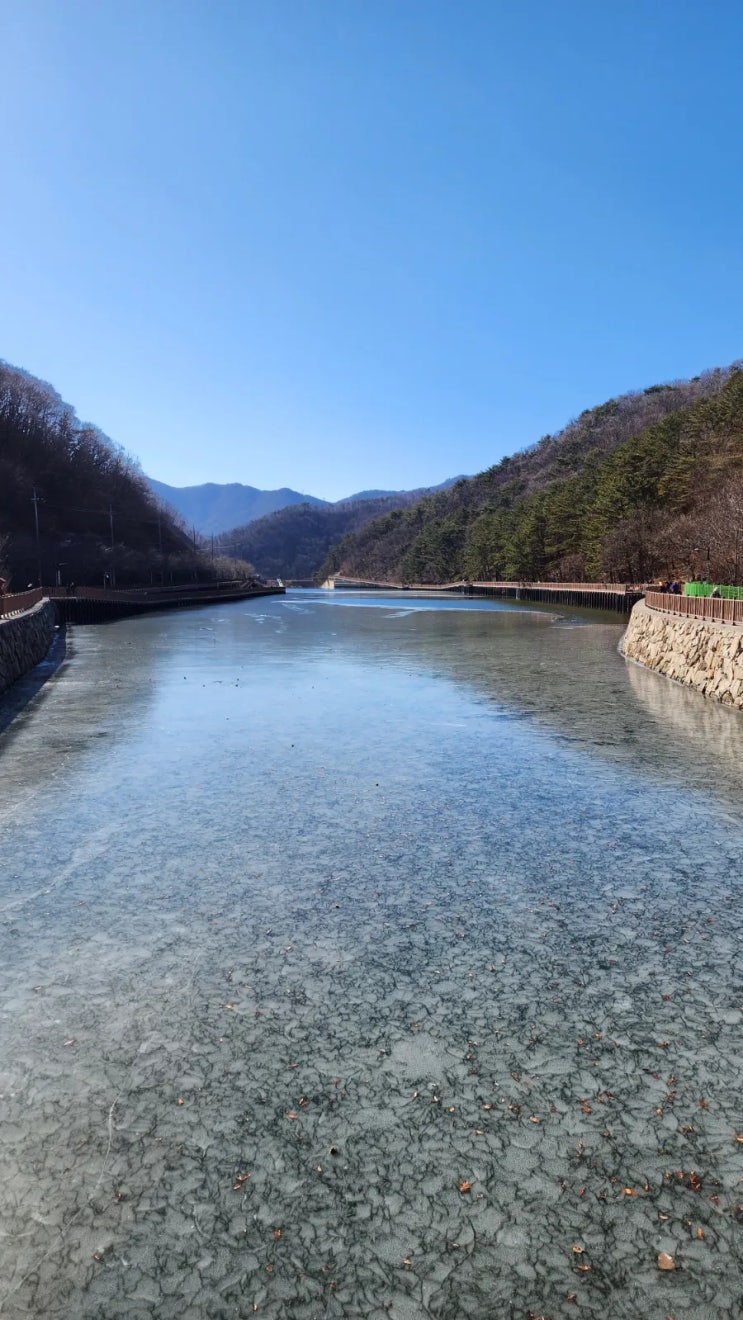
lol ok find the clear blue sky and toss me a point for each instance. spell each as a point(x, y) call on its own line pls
point(338, 244)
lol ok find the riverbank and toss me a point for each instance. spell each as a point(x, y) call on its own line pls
point(698, 653)
point(24, 641)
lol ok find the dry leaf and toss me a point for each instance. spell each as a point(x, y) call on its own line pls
point(465, 1186)
point(700, 1234)
point(578, 1251)
point(180, 1100)
point(666, 1262)
point(291, 1116)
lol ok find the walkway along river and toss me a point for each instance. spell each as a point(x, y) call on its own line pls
point(369, 957)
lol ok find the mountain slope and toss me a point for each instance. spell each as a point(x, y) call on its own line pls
point(630, 489)
point(293, 542)
point(73, 505)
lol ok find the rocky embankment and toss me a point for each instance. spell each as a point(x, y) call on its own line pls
point(24, 641)
point(699, 653)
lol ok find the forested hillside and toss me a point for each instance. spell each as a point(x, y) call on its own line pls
point(646, 484)
point(293, 542)
point(73, 506)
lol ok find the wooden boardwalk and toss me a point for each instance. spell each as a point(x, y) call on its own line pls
point(618, 597)
point(101, 604)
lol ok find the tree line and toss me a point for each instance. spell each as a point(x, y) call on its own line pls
point(293, 542)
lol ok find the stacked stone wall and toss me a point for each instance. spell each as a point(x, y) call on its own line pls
point(24, 641)
point(699, 653)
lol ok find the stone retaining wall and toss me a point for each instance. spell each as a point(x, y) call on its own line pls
point(24, 641)
point(699, 653)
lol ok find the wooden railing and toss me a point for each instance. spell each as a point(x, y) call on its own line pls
point(17, 602)
point(696, 607)
point(621, 588)
point(144, 597)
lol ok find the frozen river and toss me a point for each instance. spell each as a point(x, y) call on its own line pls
point(369, 957)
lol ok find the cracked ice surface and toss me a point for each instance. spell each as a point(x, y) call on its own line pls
point(370, 905)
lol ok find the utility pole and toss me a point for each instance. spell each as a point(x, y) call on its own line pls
point(35, 499)
point(160, 543)
point(111, 525)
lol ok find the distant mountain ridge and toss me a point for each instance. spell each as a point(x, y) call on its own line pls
point(213, 508)
point(397, 494)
